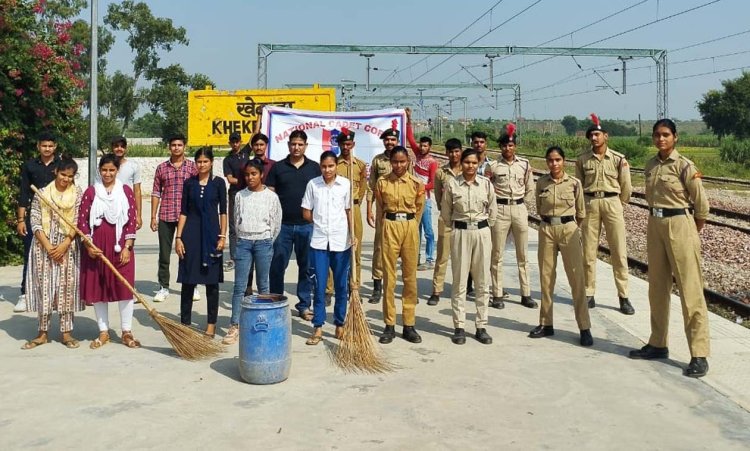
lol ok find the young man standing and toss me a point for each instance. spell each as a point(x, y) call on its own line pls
point(233, 165)
point(166, 202)
point(129, 173)
point(39, 172)
point(605, 176)
point(259, 146)
point(425, 167)
point(288, 178)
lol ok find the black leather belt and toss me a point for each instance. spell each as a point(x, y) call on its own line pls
point(400, 216)
point(356, 201)
point(502, 201)
point(558, 220)
point(601, 194)
point(669, 212)
point(471, 225)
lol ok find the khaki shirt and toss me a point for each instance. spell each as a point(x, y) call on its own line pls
point(469, 201)
point(359, 176)
point(610, 174)
point(444, 175)
point(512, 180)
point(403, 194)
point(380, 166)
point(675, 183)
point(564, 198)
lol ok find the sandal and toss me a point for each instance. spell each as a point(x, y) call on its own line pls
point(316, 337)
point(31, 344)
point(100, 341)
point(129, 341)
point(71, 343)
point(339, 332)
point(307, 315)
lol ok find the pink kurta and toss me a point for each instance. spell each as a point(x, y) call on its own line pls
point(98, 282)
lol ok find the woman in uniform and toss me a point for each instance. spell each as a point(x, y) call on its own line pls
point(400, 198)
point(678, 208)
point(469, 207)
point(559, 203)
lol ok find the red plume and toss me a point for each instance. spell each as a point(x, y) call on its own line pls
point(394, 124)
point(510, 129)
point(345, 131)
point(595, 120)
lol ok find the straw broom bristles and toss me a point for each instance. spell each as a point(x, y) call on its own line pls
point(190, 344)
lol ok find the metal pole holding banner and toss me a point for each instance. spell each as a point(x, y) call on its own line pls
point(94, 99)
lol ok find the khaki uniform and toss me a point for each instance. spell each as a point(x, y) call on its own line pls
point(605, 176)
point(674, 248)
point(473, 206)
point(443, 176)
point(512, 182)
point(380, 166)
point(404, 194)
point(359, 186)
point(556, 202)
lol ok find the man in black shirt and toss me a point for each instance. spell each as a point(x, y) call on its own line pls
point(233, 164)
point(288, 178)
point(39, 172)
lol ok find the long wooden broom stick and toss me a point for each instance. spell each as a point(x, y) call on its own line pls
point(357, 353)
point(189, 343)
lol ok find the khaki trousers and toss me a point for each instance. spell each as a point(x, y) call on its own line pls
point(510, 219)
point(470, 253)
point(400, 239)
point(605, 212)
point(377, 253)
point(357, 219)
point(674, 249)
point(565, 239)
point(443, 253)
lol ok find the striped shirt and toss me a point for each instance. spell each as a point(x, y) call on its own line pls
point(168, 183)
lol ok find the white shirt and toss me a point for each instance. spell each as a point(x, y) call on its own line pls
point(329, 204)
point(257, 214)
point(129, 173)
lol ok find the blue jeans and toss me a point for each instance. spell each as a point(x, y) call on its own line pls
point(425, 226)
point(297, 237)
point(248, 252)
point(339, 263)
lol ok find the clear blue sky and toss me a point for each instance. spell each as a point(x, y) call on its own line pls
point(224, 35)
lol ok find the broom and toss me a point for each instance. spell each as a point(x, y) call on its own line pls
point(357, 353)
point(189, 343)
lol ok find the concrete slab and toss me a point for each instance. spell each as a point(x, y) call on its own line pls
point(517, 393)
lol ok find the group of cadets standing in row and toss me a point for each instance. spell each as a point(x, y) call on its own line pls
point(480, 202)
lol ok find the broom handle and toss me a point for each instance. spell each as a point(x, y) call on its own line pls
point(91, 243)
point(353, 266)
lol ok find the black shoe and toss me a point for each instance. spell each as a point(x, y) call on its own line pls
point(377, 291)
point(626, 308)
point(328, 299)
point(526, 301)
point(434, 299)
point(586, 338)
point(459, 336)
point(649, 352)
point(542, 331)
point(483, 337)
point(470, 290)
point(389, 333)
point(497, 303)
point(591, 301)
point(410, 334)
point(698, 367)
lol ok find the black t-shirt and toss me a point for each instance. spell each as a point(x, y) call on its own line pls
point(233, 164)
point(290, 183)
point(34, 172)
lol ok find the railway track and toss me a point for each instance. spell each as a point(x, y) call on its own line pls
point(712, 296)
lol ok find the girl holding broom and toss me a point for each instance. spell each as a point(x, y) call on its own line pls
point(108, 216)
point(52, 274)
point(327, 204)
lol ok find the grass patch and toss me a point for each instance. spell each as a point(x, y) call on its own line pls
point(135, 150)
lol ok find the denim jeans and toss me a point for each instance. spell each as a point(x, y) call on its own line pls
point(425, 226)
point(249, 252)
point(293, 237)
point(339, 262)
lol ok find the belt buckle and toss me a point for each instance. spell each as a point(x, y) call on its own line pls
point(599, 194)
point(401, 217)
point(556, 220)
point(472, 226)
point(657, 212)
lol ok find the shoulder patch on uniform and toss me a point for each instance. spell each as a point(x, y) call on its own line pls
point(698, 175)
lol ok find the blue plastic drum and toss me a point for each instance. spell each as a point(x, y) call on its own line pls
point(265, 339)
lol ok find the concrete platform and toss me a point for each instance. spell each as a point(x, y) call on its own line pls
point(517, 393)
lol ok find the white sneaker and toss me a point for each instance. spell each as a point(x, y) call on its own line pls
point(21, 304)
point(161, 294)
point(196, 295)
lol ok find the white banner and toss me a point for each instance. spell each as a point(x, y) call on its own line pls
point(322, 128)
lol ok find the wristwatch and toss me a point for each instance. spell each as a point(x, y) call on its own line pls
point(129, 247)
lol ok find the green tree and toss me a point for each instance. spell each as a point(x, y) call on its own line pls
point(570, 123)
point(168, 97)
point(727, 112)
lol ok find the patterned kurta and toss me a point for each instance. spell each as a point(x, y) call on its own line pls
point(51, 286)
